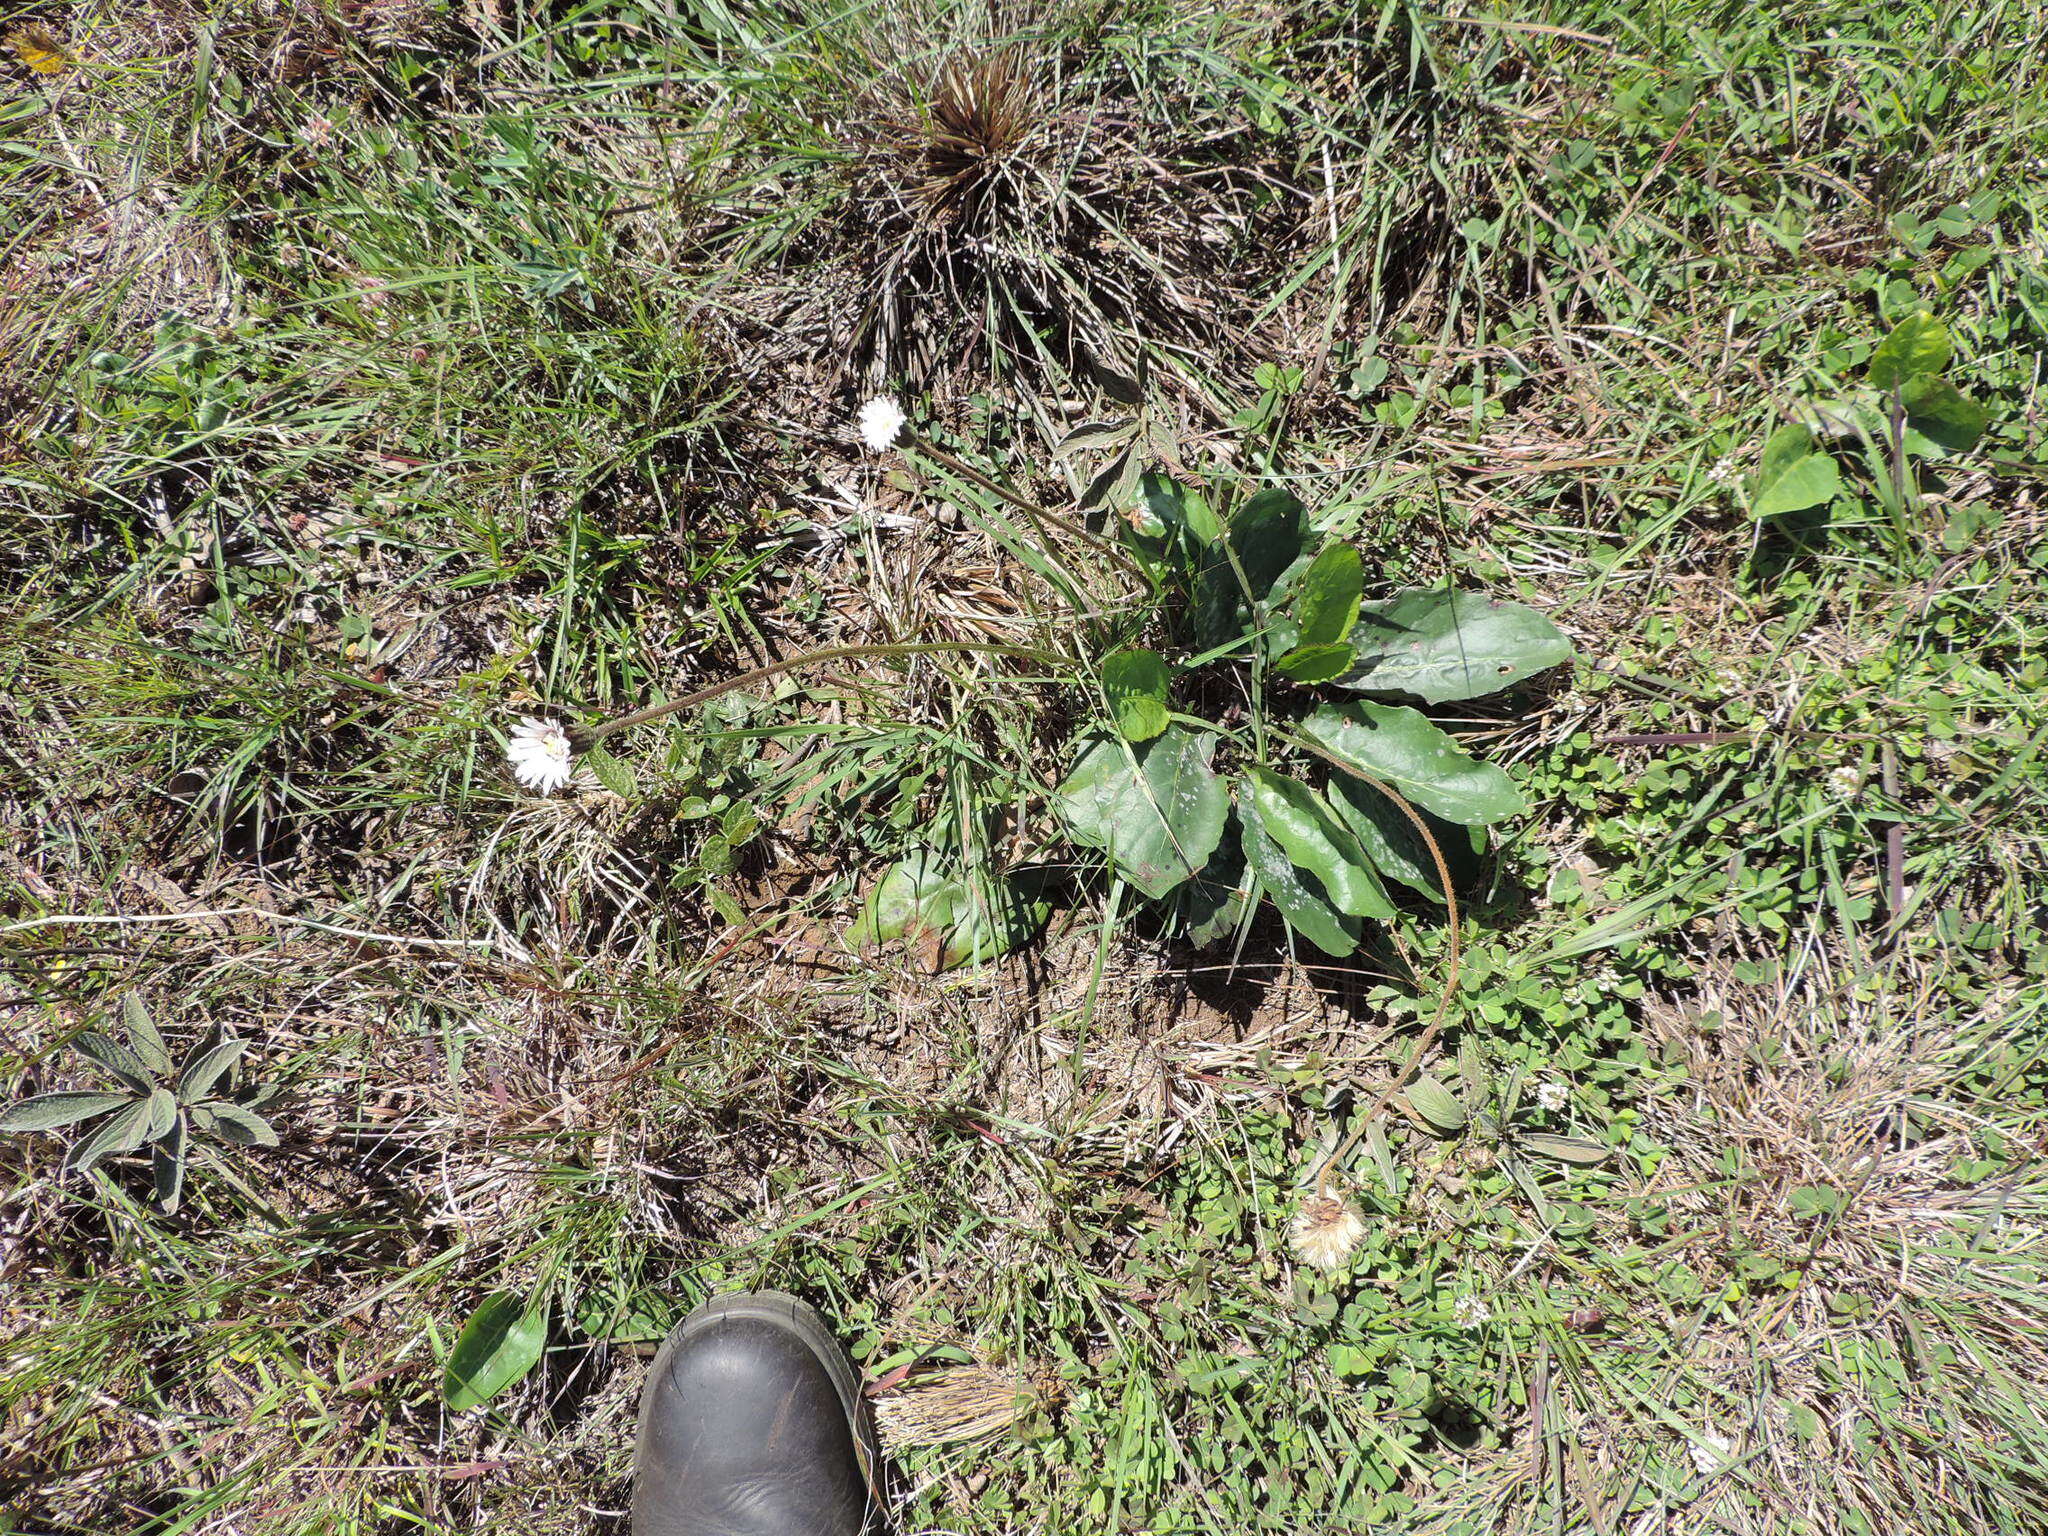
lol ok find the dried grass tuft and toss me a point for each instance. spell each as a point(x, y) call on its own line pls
point(959, 1404)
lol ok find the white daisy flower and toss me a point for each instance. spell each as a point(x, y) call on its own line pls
point(1471, 1312)
point(1325, 1232)
point(1554, 1096)
point(880, 421)
point(539, 754)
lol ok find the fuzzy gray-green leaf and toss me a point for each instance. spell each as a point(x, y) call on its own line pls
point(163, 1114)
point(47, 1111)
point(233, 1123)
point(121, 1131)
point(115, 1057)
point(1437, 1104)
point(201, 1073)
point(1564, 1149)
point(167, 1167)
point(143, 1037)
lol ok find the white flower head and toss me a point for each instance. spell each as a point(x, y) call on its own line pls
point(539, 754)
point(1726, 472)
point(1325, 1232)
point(1471, 1312)
point(880, 421)
point(1845, 781)
point(1711, 1452)
point(1554, 1096)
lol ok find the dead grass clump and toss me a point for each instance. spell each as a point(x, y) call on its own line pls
point(957, 1405)
point(1011, 199)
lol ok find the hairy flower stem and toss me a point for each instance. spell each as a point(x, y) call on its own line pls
point(588, 736)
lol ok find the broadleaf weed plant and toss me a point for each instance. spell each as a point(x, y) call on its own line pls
point(156, 1103)
point(1229, 769)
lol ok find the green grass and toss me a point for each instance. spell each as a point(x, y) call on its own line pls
point(366, 383)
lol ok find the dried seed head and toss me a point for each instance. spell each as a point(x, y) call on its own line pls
point(963, 1403)
point(1326, 1231)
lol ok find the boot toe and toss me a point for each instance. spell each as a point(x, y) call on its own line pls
point(748, 1426)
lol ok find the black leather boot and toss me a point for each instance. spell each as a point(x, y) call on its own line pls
point(752, 1424)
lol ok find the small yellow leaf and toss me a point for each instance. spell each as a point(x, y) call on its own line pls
point(38, 48)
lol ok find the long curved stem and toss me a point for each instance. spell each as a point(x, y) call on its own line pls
point(588, 736)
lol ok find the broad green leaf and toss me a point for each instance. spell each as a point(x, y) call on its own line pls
point(167, 1167)
point(143, 1038)
point(964, 916)
point(1917, 345)
point(1387, 835)
point(1216, 602)
point(1308, 914)
point(1402, 748)
point(204, 1070)
point(1791, 476)
point(1443, 645)
point(1943, 414)
point(47, 1111)
point(1350, 1363)
point(115, 1057)
point(1315, 663)
point(1167, 506)
point(1157, 810)
point(1215, 902)
point(613, 774)
point(1135, 682)
point(1437, 1104)
point(1266, 534)
point(1784, 448)
point(1294, 817)
point(243, 1127)
point(1564, 1149)
point(119, 1132)
point(1326, 600)
point(503, 1340)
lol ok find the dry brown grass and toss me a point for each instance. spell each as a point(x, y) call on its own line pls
point(1865, 1331)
